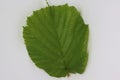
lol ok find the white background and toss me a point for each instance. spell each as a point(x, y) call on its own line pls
point(103, 17)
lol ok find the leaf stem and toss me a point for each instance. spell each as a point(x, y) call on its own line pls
point(47, 3)
point(68, 75)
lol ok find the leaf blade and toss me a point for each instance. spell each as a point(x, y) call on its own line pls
point(56, 38)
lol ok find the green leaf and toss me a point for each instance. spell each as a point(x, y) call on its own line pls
point(56, 38)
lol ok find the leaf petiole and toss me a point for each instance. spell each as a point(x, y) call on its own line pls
point(47, 3)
